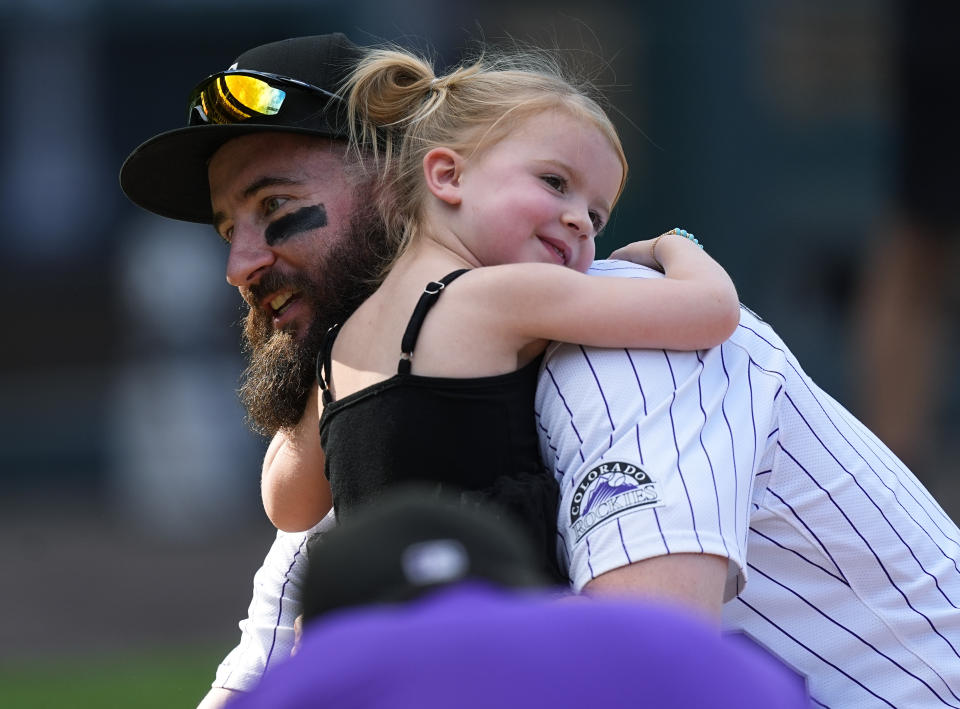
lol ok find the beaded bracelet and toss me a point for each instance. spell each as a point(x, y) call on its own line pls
point(679, 232)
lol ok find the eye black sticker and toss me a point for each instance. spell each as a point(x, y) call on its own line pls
point(305, 219)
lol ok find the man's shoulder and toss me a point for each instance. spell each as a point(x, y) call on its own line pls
point(621, 269)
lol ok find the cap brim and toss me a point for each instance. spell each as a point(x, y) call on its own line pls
point(168, 173)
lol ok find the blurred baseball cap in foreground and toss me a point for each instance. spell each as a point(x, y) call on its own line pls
point(410, 542)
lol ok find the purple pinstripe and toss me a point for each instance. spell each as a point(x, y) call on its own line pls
point(569, 412)
point(603, 397)
point(283, 588)
point(733, 447)
point(623, 543)
point(798, 554)
point(703, 447)
point(592, 575)
point(823, 547)
point(676, 445)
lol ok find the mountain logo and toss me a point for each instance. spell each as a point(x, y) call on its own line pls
point(606, 491)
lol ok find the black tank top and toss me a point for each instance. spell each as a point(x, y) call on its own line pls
point(472, 437)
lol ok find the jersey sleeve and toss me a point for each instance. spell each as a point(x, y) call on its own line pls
point(267, 634)
point(655, 452)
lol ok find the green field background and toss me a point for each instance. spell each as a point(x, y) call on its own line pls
point(160, 679)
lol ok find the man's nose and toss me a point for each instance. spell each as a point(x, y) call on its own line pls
point(249, 258)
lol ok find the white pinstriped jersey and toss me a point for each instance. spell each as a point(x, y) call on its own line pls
point(841, 562)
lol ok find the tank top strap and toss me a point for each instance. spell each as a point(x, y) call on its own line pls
point(427, 299)
point(323, 363)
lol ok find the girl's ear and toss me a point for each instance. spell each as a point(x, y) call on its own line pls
point(441, 169)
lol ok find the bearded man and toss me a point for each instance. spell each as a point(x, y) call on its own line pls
point(264, 160)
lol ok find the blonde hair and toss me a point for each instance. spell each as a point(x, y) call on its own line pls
point(399, 110)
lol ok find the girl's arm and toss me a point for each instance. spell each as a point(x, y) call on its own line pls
point(694, 307)
point(295, 491)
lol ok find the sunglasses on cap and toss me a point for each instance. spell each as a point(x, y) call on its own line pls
point(240, 95)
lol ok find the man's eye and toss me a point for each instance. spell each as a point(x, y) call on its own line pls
point(556, 182)
point(272, 204)
point(226, 235)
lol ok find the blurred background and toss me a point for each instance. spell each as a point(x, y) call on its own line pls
point(130, 523)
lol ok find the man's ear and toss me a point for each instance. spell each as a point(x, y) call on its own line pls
point(441, 169)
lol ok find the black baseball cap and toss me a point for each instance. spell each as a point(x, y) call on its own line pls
point(167, 174)
point(409, 542)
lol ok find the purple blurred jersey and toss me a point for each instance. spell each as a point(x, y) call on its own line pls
point(476, 646)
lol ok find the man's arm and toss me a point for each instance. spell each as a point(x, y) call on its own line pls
point(656, 453)
point(692, 580)
point(217, 698)
point(267, 633)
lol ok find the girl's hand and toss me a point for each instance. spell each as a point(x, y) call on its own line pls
point(660, 252)
point(639, 252)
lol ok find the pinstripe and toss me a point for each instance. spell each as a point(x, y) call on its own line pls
point(663, 535)
point(573, 425)
point(643, 400)
point(626, 552)
point(283, 588)
point(636, 433)
point(798, 555)
point(706, 455)
point(636, 430)
point(733, 450)
point(676, 444)
point(606, 406)
point(636, 377)
point(823, 547)
point(753, 416)
point(589, 565)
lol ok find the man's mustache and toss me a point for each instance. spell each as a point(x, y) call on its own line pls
point(271, 282)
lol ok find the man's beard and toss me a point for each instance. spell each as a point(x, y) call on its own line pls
point(281, 371)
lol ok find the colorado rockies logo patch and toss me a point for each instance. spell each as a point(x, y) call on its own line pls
point(607, 490)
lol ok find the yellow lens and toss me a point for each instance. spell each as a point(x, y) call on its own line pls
point(233, 98)
point(254, 94)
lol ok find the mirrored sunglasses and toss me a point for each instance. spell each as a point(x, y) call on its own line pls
point(241, 95)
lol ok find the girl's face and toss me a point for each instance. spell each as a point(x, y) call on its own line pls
point(541, 194)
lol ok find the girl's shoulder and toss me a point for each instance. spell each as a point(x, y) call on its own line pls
point(509, 285)
point(519, 275)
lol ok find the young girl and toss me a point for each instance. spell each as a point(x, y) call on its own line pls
point(500, 175)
